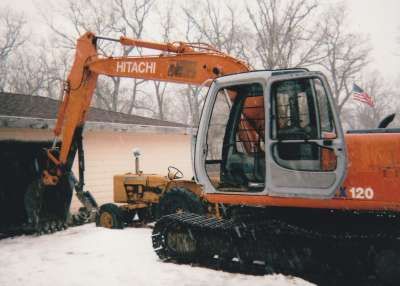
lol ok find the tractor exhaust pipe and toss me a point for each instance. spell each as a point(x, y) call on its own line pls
point(136, 154)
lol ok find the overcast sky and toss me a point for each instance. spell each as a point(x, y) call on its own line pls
point(381, 21)
point(377, 18)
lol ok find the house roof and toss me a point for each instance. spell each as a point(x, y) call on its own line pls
point(20, 105)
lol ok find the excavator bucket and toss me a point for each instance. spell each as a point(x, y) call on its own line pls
point(26, 206)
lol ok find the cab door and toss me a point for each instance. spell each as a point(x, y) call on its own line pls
point(229, 152)
point(307, 152)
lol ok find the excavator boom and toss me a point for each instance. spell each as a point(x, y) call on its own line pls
point(184, 66)
point(179, 62)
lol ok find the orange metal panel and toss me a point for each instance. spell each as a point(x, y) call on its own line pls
point(374, 164)
point(188, 68)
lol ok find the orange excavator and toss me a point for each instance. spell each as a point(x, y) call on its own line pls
point(278, 185)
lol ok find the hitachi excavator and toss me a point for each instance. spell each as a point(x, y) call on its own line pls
point(278, 185)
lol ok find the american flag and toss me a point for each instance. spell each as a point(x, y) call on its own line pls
point(360, 95)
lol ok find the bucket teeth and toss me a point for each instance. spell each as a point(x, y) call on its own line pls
point(26, 206)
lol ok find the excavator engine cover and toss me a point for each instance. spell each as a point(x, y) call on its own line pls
point(26, 206)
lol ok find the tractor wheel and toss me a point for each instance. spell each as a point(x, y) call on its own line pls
point(179, 200)
point(128, 216)
point(110, 216)
point(144, 215)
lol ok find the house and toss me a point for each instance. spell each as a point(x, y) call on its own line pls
point(109, 139)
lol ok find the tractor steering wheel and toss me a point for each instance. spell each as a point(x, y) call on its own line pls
point(174, 173)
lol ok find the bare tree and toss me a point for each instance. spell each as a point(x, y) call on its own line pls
point(160, 88)
point(32, 69)
point(56, 66)
point(110, 17)
point(216, 24)
point(11, 32)
point(195, 101)
point(286, 34)
point(28, 74)
point(191, 99)
point(346, 54)
point(133, 15)
point(12, 37)
point(81, 16)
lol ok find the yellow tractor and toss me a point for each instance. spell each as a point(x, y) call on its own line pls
point(141, 198)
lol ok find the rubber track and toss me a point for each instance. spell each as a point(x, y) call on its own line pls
point(46, 227)
point(272, 246)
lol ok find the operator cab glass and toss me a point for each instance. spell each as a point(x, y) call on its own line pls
point(235, 159)
point(301, 113)
point(294, 147)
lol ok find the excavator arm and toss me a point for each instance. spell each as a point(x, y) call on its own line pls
point(179, 63)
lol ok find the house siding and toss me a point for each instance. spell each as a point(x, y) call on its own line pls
point(108, 153)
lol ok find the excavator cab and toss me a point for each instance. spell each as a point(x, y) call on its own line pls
point(271, 133)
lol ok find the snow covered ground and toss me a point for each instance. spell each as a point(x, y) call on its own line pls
point(87, 255)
